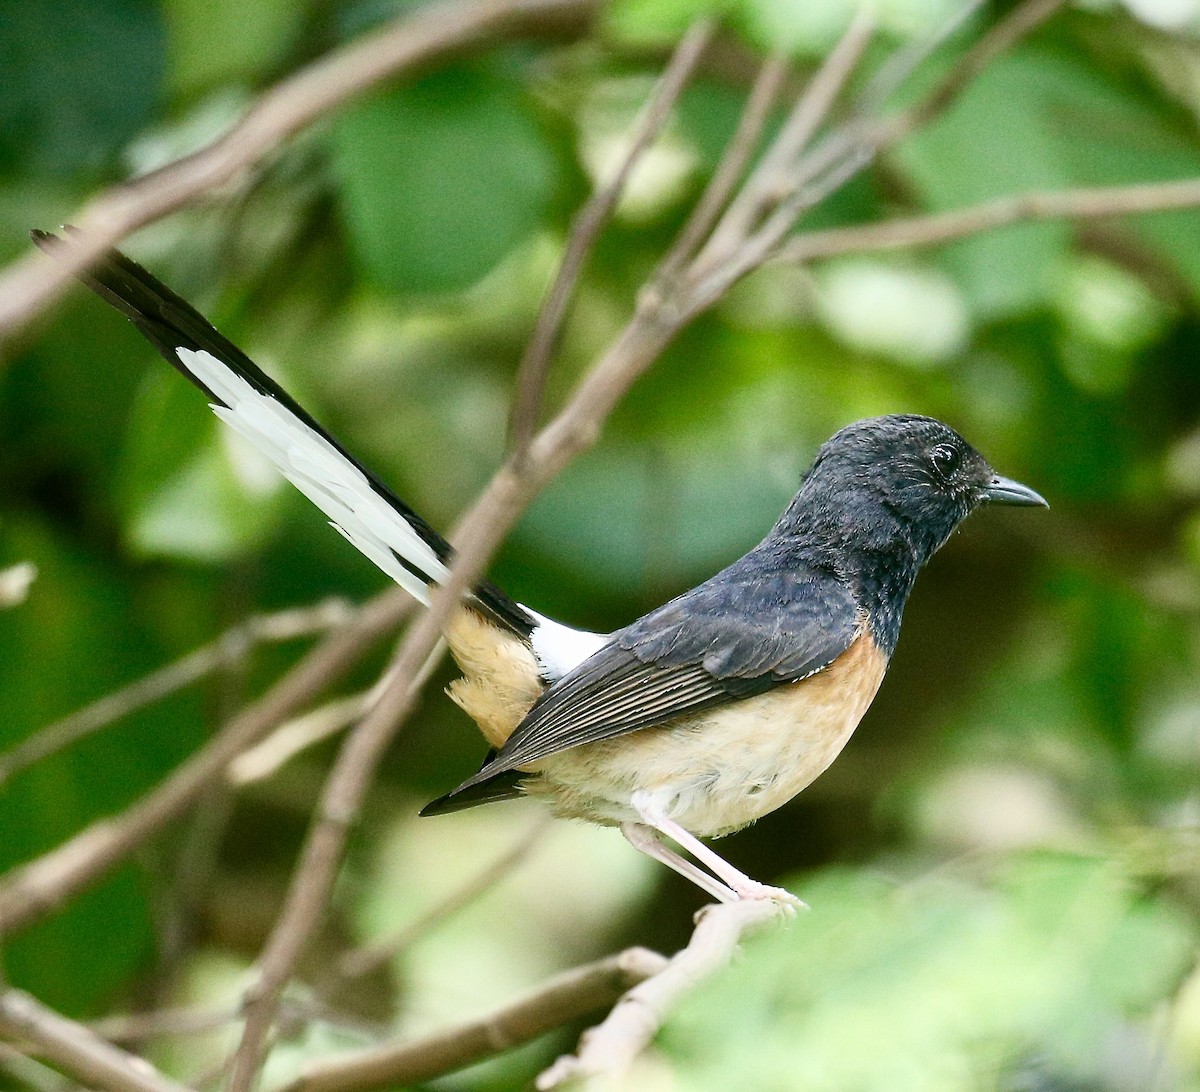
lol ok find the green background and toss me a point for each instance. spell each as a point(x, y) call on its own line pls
point(1002, 866)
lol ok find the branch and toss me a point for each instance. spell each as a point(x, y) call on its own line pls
point(776, 173)
point(586, 228)
point(942, 227)
point(846, 152)
point(728, 173)
point(26, 1022)
point(609, 1049)
point(228, 649)
point(564, 998)
point(32, 890)
point(364, 960)
point(401, 47)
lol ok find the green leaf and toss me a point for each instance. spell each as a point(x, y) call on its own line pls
point(80, 79)
point(439, 180)
point(222, 40)
point(996, 140)
point(659, 22)
point(937, 984)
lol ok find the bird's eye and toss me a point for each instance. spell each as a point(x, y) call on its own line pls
point(945, 459)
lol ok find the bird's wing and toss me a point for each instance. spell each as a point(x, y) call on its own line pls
point(752, 627)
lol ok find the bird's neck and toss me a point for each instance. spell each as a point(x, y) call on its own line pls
point(870, 547)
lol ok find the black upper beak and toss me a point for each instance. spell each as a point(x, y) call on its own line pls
point(1006, 491)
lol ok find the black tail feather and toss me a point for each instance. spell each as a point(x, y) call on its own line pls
point(169, 323)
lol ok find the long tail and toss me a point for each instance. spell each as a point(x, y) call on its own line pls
point(357, 503)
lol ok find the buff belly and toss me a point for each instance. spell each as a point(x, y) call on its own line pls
point(714, 772)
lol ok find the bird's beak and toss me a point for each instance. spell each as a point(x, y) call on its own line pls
point(1006, 491)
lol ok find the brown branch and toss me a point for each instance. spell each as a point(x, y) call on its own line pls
point(586, 228)
point(401, 47)
point(608, 1050)
point(776, 174)
point(564, 998)
point(38, 1030)
point(32, 890)
point(932, 230)
point(733, 163)
point(226, 650)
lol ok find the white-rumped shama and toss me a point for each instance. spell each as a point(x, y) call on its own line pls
point(701, 716)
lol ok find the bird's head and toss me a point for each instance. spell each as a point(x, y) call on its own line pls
point(908, 473)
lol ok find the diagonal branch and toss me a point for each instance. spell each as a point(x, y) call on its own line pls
point(42, 1032)
point(564, 998)
point(403, 46)
point(608, 1050)
point(586, 228)
point(775, 176)
point(229, 648)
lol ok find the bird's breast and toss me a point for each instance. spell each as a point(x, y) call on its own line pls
point(722, 769)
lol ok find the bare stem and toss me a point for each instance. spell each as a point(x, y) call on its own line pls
point(37, 1030)
point(564, 998)
point(586, 228)
point(402, 46)
point(944, 227)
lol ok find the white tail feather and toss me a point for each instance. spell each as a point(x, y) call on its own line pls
point(341, 490)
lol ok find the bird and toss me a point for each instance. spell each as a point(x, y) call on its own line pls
point(694, 720)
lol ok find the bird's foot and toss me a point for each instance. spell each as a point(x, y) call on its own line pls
point(752, 889)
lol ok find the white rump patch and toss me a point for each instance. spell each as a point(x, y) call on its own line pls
point(560, 649)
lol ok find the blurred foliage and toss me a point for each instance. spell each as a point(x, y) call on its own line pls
point(1003, 866)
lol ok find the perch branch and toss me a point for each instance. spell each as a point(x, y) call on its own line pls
point(562, 999)
point(609, 1049)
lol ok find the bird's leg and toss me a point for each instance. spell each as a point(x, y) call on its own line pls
point(652, 814)
point(645, 840)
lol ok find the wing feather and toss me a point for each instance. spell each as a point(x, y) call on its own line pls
point(759, 624)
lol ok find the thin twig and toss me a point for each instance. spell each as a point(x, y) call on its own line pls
point(586, 228)
point(733, 163)
point(402, 46)
point(896, 69)
point(32, 890)
point(607, 1050)
point(69, 1045)
point(266, 758)
point(564, 998)
point(775, 176)
point(943, 227)
point(1019, 23)
point(848, 150)
point(231, 647)
point(367, 959)
point(191, 1020)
